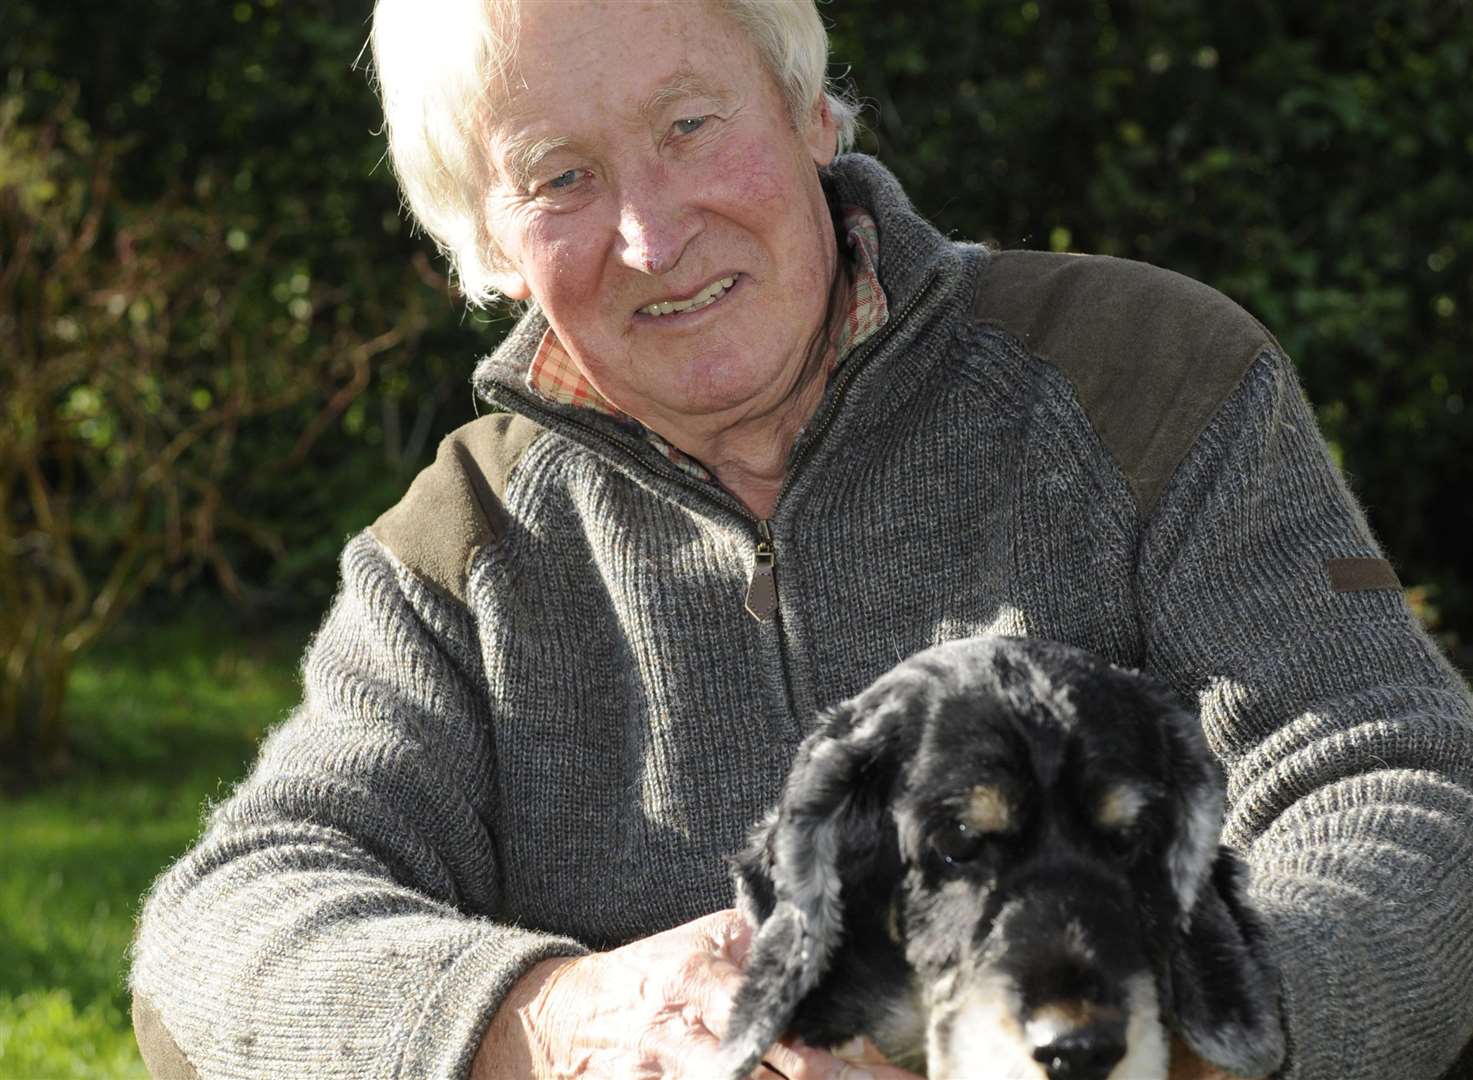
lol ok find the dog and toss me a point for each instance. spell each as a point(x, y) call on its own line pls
point(1002, 860)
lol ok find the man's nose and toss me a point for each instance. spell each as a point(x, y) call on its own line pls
point(655, 223)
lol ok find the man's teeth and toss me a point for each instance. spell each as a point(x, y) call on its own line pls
point(709, 295)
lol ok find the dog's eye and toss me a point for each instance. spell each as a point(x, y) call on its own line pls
point(1126, 843)
point(956, 843)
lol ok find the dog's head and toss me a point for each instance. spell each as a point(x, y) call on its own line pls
point(1002, 860)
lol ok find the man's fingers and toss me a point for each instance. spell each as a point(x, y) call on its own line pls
point(860, 1051)
point(859, 1059)
point(710, 989)
point(727, 935)
point(798, 1061)
point(709, 978)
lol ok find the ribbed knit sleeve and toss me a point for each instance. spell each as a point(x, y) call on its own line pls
point(337, 917)
point(1347, 738)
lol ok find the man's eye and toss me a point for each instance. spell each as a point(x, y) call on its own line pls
point(688, 125)
point(563, 180)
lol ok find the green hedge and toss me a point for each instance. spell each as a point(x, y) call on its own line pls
point(1315, 163)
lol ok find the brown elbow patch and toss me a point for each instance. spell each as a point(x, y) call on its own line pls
point(1361, 575)
point(160, 1053)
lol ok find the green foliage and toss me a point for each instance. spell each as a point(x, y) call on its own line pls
point(1314, 165)
point(165, 712)
point(222, 350)
point(249, 123)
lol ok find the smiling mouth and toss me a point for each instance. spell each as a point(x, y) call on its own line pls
point(707, 296)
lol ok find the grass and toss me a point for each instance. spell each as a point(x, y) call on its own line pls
point(164, 718)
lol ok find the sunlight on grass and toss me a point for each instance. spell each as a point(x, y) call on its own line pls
point(43, 1036)
point(163, 719)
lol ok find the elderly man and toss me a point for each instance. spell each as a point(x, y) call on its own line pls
point(762, 430)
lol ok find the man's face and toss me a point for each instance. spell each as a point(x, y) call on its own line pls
point(645, 157)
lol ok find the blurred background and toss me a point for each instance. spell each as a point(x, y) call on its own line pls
point(223, 350)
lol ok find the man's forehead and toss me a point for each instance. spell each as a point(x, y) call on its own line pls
point(624, 52)
point(522, 103)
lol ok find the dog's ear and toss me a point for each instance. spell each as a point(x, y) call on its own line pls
point(1197, 805)
point(1223, 987)
point(789, 879)
point(751, 872)
point(780, 970)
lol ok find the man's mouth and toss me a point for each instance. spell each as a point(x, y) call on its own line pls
point(709, 295)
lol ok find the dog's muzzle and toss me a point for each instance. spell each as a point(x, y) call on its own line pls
point(987, 1033)
point(1058, 990)
point(1076, 1043)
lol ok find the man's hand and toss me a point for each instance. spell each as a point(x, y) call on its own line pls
point(653, 1008)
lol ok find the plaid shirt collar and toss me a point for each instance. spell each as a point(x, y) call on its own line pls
point(554, 377)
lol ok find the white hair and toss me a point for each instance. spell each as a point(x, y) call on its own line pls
point(442, 67)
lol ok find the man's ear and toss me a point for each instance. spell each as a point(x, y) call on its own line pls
point(510, 284)
point(822, 135)
point(1224, 988)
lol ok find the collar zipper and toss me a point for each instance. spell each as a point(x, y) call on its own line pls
point(762, 588)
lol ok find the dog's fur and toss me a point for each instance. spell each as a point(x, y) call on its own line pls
point(1002, 860)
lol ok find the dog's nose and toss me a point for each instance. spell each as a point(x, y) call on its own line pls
point(1084, 1053)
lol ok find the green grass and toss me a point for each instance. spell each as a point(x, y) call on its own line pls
point(163, 719)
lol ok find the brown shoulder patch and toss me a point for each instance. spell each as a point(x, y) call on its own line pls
point(1151, 353)
point(454, 506)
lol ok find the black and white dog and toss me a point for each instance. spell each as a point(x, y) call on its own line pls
point(1002, 861)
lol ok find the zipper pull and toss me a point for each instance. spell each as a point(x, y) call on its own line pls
point(762, 589)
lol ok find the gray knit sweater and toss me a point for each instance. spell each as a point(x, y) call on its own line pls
point(539, 715)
